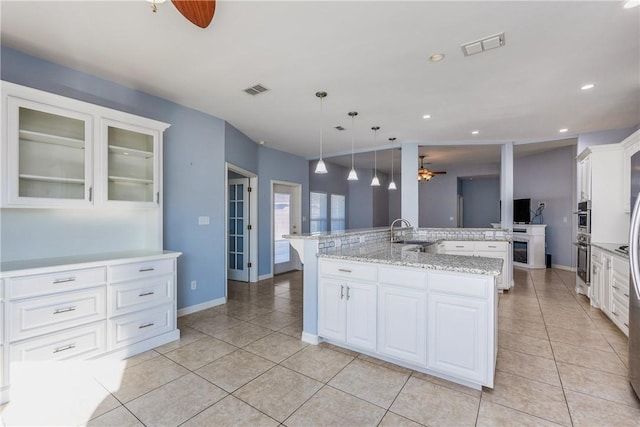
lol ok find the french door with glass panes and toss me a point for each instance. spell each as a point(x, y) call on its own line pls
point(238, 236)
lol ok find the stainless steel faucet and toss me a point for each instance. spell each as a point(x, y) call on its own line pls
point(401, 220)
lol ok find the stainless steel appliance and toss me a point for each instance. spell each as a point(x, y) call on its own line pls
point(634, 282)
point(584, 217)
point(583, 246)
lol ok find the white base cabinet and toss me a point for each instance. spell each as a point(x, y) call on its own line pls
point(610, 286)
point(55, 310)
point(441, 323)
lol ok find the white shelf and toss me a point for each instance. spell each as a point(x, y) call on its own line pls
point(55, 179)
point(126, 180)
point(51, 139)
point(116, 149)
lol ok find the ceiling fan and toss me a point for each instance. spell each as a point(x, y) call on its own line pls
point(425, 174)
point(199, 12)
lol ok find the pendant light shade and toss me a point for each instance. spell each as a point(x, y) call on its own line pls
point(375, 182)
point(320, 166)
point(392, 184)
point(353, 175)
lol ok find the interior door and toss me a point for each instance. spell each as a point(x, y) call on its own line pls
point(286, 220)
point(238, 237)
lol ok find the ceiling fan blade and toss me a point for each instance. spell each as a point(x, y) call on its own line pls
point(440, 173)
point(199, 12)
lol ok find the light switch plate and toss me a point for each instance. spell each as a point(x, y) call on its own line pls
point(203, 220)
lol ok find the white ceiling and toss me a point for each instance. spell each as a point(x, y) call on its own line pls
point(370, 56)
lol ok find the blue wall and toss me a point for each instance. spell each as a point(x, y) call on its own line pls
point(333, 182)
point(195, 149)
point(481, 201)
point(274, 165)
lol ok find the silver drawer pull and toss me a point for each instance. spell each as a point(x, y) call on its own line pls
point(614, 287)
point(68, 279)
point(344, 270)
point(64, 310)
point(146, 294)
point(626, 295)
point(626, 324)
point(341, 291)
point(614, 313)
point(459, 246)
point(142, 270)
point(348, 294)
point(145, 326)
point(492, 246)
point(65, 348)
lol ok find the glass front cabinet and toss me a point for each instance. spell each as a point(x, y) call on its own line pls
point(49, 154)
point(131, 168)
point(59, 152)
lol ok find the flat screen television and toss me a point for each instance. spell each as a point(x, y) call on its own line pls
point(522, 211)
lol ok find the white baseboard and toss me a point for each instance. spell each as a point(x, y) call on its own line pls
point(199, 307)
point(310, 338)
point(563, 267)
point(265, 276)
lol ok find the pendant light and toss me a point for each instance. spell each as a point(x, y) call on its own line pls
point(320, 166)
point(392, 184)
point(375, 182)
point(353, 175)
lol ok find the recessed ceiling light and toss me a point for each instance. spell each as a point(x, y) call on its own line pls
point(475, 132)
point(563, 130)
point(588, 86)
point(261, 143)
point(426, 116)
point(631, 3)
point(436, 57)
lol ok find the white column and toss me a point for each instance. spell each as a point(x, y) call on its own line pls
point(409, 183)
point(506, 186)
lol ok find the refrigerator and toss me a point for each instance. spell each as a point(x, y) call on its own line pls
point(634, 277)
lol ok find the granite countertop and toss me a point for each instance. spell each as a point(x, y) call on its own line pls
point(329, 235)
point(611, 248)
point(394, 254)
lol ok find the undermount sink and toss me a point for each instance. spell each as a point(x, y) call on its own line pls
point(418, 246)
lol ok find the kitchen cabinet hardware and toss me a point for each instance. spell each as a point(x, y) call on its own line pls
point(64, 348)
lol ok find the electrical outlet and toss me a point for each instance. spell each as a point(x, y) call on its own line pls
point(194, 285)
point(542, 204)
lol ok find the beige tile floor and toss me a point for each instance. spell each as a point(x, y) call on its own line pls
point(560, 362)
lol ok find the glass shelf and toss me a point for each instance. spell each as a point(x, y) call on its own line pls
point(55, 179)
point(27, 135)
point(127, 180)
point(115, 149)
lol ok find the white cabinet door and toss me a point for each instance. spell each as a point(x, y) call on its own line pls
point(402, 327)
point(49, 156)
point(332, 309)
point(131, 173)
point(605, 288)
point(361, 315)
point(585, 178)
point(458, 337)
point(631, 146)
point(595, 287)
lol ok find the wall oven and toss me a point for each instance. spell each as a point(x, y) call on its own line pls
point(583, 246)
point(584, 217)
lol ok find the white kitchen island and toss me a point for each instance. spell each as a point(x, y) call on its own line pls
point(433, 313)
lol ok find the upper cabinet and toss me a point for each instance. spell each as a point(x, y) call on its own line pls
point(584, 178)
point(58, 152)
point(49, 155)
point(132, 167)
point(631, 145)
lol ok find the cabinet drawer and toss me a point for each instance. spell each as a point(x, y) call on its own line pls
point(30, 286)
point(404, 278)
point(136, 295)
point(349, 270)
point(491, 246)
point(139, 326)
point(621, 266)
point(82, 342)
point(139, 270)
point(453, 245)
point(620, 316)
point(459, 285)
point(620, 287)
point(42, 315)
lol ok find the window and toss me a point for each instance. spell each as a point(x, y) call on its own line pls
point(338, 221)
point(318, 212)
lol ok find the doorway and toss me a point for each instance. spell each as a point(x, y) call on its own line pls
point(241, 225)
point(286, 214)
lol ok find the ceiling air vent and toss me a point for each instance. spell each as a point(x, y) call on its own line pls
point(483, 45)
point(254, 90)
point(338, 127)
